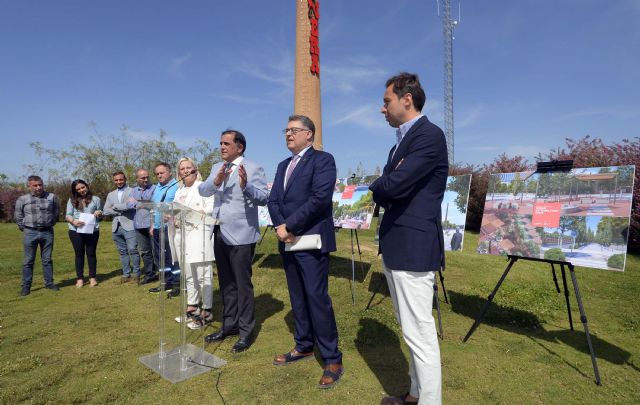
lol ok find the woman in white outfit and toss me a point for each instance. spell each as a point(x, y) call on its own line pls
point(198, 247)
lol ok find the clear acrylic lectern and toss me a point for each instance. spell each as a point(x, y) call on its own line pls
point(185, 360)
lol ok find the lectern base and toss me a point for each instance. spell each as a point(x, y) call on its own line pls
point(182, 363)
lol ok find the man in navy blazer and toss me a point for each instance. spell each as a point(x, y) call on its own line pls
point(300, 204)
point(411, 189)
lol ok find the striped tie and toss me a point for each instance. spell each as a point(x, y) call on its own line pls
point(292, 166)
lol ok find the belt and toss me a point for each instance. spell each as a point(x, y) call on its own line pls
point(39, 228)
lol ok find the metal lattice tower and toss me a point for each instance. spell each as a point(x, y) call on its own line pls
point(448, 24)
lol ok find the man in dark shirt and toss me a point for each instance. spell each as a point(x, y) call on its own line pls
point(36, 214)
point(143, 193)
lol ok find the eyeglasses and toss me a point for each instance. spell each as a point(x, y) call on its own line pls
point(294, 130)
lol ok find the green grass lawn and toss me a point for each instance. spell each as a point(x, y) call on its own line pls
point(83, 345)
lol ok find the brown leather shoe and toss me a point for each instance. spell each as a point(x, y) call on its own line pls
point(291, 357)
point(405, 399)
point(331, 375)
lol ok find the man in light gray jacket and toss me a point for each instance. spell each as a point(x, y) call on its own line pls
point(239, 187)
point(123, 232)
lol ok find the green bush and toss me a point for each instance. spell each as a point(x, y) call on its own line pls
point(616, 261)
point(554, 254)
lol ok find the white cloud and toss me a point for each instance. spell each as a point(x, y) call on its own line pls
point(469, 117)
point(271, 68)
point(366, 116)
point(177, 63)
point(350, 77)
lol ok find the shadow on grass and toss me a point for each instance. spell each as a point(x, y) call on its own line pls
point(577, 339)
point(341, 267)
point(101, 277)
point(528, 324)
point(497, 315)
point(338, 266)
point(266, 306)
point(257, 257)
point(271, 261)
point(380, 348)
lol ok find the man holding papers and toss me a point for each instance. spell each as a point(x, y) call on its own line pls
point(301, 210)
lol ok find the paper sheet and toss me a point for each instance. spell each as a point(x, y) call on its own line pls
point(89, 223)
point(304, 242)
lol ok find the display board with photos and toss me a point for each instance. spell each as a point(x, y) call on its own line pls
point(454, 211)
point(353, 206)
point(580, 216)
point(264, 219)
point(353, 202)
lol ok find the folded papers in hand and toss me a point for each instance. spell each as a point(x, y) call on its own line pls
point(304, 242)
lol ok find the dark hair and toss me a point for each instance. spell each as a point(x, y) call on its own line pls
point(404, 83)
point(165, 164)
point(238, 138)
point(34, 178)
point(76, 199)
point(119, 172)
point(306, 121)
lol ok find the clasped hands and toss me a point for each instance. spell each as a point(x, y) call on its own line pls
point(284, 235)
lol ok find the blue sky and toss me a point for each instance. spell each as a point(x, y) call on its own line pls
point(527, 74)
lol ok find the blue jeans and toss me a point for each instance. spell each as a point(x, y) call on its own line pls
point(31, 239)
point(171, 278)
point(144, 245)
point(127, 245)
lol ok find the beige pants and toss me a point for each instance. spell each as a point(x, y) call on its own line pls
point(412, 297)
point(199, 282)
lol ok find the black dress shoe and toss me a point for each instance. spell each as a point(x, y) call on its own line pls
point(148, 280)
point(25, 291)
point(220, 335)
point(167, 287)
point(52, 287)
point(242, 344)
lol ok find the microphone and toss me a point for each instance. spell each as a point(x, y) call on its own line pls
point(193, 171)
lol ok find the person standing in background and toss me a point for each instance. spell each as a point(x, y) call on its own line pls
point(122, 230)
point(143, 193)
point(36, 214)
point(82, 201)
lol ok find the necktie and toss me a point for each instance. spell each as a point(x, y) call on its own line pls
point(292, 166)
point(228, 167)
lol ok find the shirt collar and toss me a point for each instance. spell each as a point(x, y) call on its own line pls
point(302, 152)
point(169, 184)
point(238, 160)
point(404, 128)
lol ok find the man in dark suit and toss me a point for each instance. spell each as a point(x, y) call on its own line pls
point(300, 204)
point(411, 189)
point(456, 240)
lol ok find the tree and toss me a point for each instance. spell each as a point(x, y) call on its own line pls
point(460, 186)
point(96, 160)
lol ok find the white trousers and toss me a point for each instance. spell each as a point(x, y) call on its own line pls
point(199, 284)
point(412, 297)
